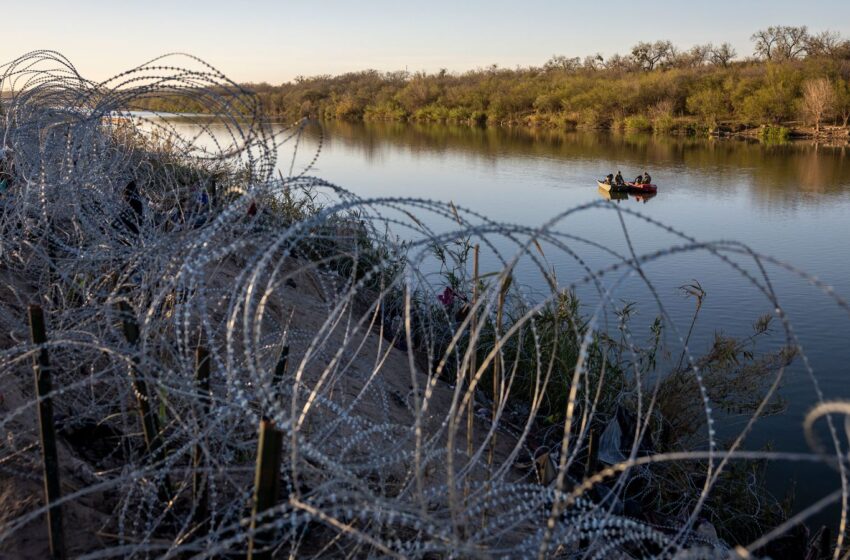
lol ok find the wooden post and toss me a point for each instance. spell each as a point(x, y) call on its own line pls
point(199, 479)
point(49, 454)
point(266, 487)
point(150, 422)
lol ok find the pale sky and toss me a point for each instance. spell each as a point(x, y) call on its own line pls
point(274, 41)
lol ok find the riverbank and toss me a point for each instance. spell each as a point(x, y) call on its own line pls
point(686, 98)
point(782, 132)
point(332, 312)
point(426, 402)
point(830, 135)
point(357, 376)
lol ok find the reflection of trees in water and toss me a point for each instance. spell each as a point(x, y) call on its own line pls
point(821, 169)
point(772, 171)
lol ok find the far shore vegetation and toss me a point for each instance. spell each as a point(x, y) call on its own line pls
point(794, 82)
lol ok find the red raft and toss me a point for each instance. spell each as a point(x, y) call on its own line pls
point(641, 188)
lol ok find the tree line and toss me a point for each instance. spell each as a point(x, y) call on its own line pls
point(792, 75)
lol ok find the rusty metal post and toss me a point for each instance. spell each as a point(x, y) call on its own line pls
point(266, 487)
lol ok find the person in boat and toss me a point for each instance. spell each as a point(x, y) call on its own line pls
point(619, 178)
point(647, 180)
point(639, 180)
point(609, 179)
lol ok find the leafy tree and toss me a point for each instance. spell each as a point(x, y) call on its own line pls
point(649, 55)
point(793, 42)
point(765, 40)
point(418, 92)
point(842, 100)
point(694, 57)
point(561, 62)
point(827, 44)
point(774, 100)
point(593, 62)
point(781, 42)
point(722, 55)
point(620, 63)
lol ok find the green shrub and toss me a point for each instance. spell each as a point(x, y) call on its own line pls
point(547, 103)
point(708, 104)
point(590, 118)
point(432, 112)
point(566, 121)
point(637, 123)
point(665, 123)
point(348, 108)
point(774, 134)
point(459, 114)
point(386, 111)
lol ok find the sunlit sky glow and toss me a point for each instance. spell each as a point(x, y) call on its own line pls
point(274, 41)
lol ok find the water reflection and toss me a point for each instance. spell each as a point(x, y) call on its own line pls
point(790, 201)
point(621, 196)
point(776, 174)
point(645, 197)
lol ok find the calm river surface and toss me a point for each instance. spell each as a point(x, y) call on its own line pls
point(790, 201)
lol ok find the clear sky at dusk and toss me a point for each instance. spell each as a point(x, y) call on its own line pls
point(274, 41)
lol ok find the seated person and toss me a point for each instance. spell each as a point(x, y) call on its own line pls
point(639, 180)
point(646, 178)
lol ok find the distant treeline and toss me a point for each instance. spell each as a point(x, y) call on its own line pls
point(792, 75)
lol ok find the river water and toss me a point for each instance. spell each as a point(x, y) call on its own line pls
point(789, 201)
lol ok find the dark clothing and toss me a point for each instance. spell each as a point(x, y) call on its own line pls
point(647, 179)
point(618, 179)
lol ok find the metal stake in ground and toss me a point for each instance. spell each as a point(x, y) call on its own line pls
point(150, 423)
point(266, 488)
point(280, 371)
point(43, 388)
point(473, 363)
point(199, 479)
point(592, 455)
